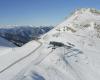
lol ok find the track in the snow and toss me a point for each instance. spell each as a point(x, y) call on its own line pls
point(17, 61)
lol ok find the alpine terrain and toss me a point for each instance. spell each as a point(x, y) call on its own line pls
point(70, 51)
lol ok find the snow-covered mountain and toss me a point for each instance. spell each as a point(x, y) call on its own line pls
point(20, 35)
point(5, 46)
point(5, 43)
point(70, 51)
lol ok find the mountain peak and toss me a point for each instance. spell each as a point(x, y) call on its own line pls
point(87, 10)
point(81, 17)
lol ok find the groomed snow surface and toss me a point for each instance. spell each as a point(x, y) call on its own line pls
point(78, 59)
